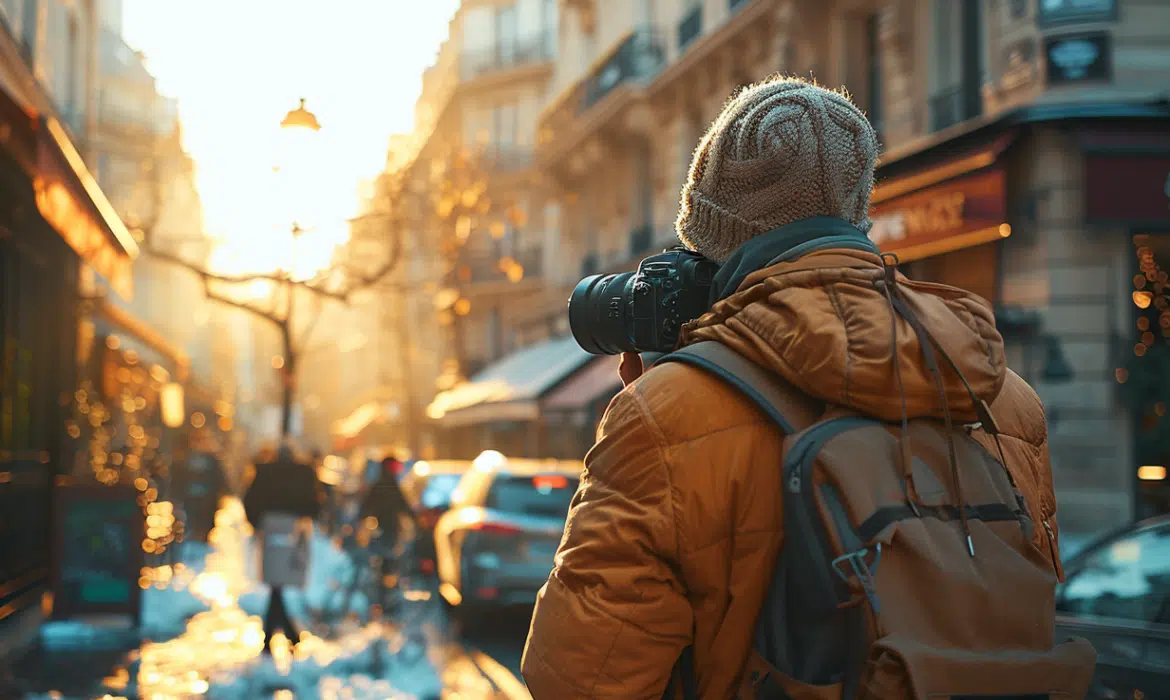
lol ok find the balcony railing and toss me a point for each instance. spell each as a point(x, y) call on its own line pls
point(690, 27)
point(950, 107)
point(637, 58)
point(489, 268)
point(506, 55)
point(503, 159)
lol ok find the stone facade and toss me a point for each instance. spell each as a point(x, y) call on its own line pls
point(931, 73)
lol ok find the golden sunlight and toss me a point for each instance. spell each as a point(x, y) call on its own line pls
point(256, 179)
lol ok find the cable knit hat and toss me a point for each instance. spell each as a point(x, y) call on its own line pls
point(781, 151)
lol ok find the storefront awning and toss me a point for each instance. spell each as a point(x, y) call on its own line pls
point(121, 321)
point(67, 196)
point(510, 389)
point(598, 381)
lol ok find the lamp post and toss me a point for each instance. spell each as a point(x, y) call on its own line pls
point(297, 125)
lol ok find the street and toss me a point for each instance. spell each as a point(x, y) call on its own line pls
point(202, 637)
point(501, 637)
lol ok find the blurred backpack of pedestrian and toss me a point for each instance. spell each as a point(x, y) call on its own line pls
point(283, 499)
point(198, 484)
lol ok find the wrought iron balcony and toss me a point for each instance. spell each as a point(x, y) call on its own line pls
point(636, 59)
point(952, 106)
point(504, 159)
point(505, 55)
point(493, 268)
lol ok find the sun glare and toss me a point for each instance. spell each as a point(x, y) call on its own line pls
point(357, 65)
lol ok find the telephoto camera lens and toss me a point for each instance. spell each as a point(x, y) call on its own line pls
point(597, 314)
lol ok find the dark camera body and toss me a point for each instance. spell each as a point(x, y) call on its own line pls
point(642, 311)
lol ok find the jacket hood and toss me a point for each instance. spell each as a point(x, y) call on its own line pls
point(825, 325)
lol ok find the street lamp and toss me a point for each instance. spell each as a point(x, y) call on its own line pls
point(298, 129)
point(297, 132)
point(300, 118)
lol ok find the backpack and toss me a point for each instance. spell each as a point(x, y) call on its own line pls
point(895, 581)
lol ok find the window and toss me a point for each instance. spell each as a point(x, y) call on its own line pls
point(1126, 579)
point(549, 24)
point(505, 126)
point(959, 60)
point(506, 34)
point(547, 495)
point(10, 10)
point(874, 66)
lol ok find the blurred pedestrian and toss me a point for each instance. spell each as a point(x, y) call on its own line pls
point(283, 494)
point(393, 520)
point(388, 505)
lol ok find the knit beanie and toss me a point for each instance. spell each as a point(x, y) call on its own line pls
point(781, 151)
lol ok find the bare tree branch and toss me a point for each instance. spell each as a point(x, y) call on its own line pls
point(358, 282)
point(257, 311)
point(208, 275)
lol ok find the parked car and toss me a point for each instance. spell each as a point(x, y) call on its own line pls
point(428, 487)
point(1116, 594)
point(495, 546)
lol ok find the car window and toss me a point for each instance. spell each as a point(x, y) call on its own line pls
point(437, 492)
point(532, 495)
point(1127, 579)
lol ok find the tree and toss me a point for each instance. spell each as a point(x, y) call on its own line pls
point(282, 305)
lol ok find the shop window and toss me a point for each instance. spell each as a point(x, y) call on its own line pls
point(1142, 373)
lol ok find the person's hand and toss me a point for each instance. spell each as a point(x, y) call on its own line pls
point(630, 367)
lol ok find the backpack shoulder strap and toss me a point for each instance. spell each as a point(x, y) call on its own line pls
point(789, 409)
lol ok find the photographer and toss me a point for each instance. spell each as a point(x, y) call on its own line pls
point(668, 578)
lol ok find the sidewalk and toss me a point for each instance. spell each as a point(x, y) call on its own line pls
point(208, 608)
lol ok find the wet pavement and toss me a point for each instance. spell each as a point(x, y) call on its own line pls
point(202, 636)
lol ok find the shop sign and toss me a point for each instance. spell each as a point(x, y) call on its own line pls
point(956, 214)
point(1128, 188)
point(1066, 11)
point(1079, 58)
point(97, 551)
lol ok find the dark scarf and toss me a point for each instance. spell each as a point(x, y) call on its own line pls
point(784, 244)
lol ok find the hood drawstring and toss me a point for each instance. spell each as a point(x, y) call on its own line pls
point(899, 308)
point(908, 491)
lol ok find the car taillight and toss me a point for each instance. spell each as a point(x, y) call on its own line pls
point(549, 482)
point(496, 528)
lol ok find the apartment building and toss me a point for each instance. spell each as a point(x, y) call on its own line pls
point(1026, 155)
point(480, 104)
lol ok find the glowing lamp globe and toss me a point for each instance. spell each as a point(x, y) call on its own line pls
point(174, 412)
